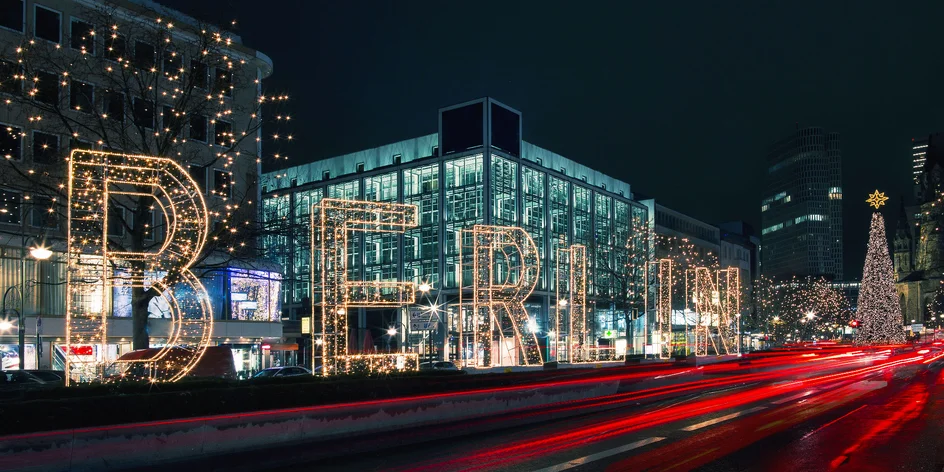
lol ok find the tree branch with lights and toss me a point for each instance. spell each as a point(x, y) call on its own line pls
point(144, 85)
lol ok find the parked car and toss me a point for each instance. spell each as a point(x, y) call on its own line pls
point(216, 362)
point(20, 380)
point(281, 372)
point(441, 365)
point(56, 377)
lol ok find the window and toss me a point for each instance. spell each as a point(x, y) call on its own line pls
point(326, 175)
point(397, 158)
point(224, 183)
point(11, 143)
point(435, 150)
point(113, 105)
point(199, 175)
point(149, 227)
point(143, 55)
point(43, 214)
point(359, 167)
point(172, 121)
point(172, 63)
point(224, 133)
point(198, 128)
point(45, 148)
point(81, 96)
point(199, 72)
point(83, 36)
point(11, 14)
point(116, 221)
point(76, 144)
point(8, 82)
point(115, 47)
point(47, 24)
point(46, 88)
point(223, 82)
point(9, 207)
point(143, 113)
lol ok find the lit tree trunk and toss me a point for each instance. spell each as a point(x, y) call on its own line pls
point(140, 299)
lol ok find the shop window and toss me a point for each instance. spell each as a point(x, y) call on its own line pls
point(255, 295)
point(47, 24)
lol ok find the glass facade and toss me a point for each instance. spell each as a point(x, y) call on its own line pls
point(452, 194)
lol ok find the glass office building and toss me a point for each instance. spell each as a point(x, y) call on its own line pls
point(476, 170)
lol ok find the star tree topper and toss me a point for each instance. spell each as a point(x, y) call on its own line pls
point(876, 199)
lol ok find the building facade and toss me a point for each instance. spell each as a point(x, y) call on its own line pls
point(40, 100)
point(918, 248)
point(475, 170)
point(801, 211)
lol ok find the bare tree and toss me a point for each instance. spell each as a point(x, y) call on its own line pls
point(131, 81)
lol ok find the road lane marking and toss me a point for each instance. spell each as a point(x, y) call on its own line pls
point(722, 418)
point(601, 455)
point(831, 422)
point(790, 399)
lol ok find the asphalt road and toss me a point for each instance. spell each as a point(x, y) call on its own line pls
point(842, 414)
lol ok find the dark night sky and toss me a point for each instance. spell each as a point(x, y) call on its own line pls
point(679, 101)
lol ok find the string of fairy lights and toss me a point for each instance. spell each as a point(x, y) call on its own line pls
point(96, 180)
point(879, 311)
point(138, 88)
point(571, 307)
point(331, 222)
point(505, 270)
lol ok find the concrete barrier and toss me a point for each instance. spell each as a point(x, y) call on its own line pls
point(140, 444)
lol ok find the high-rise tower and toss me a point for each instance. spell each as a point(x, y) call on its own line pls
point(801, 210)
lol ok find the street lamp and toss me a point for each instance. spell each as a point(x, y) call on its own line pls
point(40, 253)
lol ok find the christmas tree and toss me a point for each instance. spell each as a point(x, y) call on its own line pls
point(879, 313)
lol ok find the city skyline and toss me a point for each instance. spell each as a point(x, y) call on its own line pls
point(711, 111)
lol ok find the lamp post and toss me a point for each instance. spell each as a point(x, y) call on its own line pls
point(39, 253)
